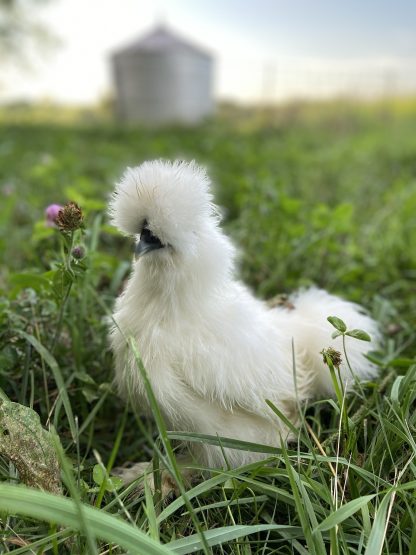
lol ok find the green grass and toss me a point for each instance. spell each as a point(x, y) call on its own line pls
point(315, 194)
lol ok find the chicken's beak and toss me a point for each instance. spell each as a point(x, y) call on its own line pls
point(143, 246)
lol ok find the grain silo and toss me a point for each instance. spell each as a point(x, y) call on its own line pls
point(162, 78)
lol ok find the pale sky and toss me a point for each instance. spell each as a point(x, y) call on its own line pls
point(263, 48)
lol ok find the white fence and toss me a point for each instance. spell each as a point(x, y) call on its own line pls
point(275, 81)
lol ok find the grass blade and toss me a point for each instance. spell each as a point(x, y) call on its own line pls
point(53, 365)
point(378, 530)
point(343, 513)
point(20, 500)
point(174, 469)
point(219, 536)
point(283, 418)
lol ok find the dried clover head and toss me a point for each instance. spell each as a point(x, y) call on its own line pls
point(333, 355)
point(70, 218)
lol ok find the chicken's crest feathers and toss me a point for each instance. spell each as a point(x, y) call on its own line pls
point(173, 198)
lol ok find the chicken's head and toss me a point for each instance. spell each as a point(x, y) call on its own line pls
point(168, 208)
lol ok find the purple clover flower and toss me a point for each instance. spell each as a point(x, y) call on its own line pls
point(78, 252)
point(51, 214)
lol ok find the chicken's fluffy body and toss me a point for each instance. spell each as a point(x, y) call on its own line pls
point(212, 351)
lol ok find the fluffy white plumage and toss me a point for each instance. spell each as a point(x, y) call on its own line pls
point(212, 351)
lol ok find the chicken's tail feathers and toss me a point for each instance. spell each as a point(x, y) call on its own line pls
point(347, 352)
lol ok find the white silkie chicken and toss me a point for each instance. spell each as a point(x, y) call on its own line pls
point(212, 351)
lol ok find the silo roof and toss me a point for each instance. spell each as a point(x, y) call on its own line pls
point(161, 39)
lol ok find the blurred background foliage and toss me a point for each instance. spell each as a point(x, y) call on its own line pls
point(319, 194)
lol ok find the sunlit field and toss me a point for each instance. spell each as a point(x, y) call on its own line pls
point(321, 194)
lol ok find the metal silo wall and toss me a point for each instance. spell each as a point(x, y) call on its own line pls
point(155, 88)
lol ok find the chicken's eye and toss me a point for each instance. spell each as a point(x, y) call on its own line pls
point(149, 237)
